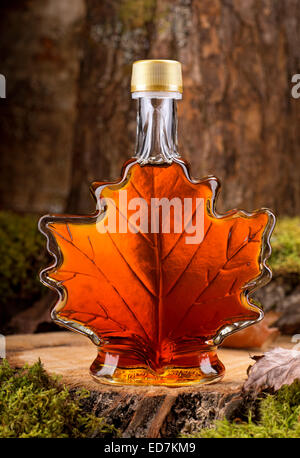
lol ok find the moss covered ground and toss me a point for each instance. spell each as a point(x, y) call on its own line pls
point(277, 416)
point(35, 404)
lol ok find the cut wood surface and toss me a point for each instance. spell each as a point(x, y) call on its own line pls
point(138, 411)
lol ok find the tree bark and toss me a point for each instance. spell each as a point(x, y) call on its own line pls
point(237, 119)
point(39, 49)
point(68, 118)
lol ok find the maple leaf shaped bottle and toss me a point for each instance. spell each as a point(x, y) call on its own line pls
point(156, 278)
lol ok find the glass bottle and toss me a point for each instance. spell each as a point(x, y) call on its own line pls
point(156, 278)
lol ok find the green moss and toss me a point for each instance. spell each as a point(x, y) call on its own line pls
point(34, 404)
point(285, 241)
point(22, 253)
point(279, 417)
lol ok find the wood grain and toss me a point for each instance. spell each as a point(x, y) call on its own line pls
point(138, 411)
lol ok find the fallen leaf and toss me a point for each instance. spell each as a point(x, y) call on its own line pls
point(259, 335)
point(274, 369)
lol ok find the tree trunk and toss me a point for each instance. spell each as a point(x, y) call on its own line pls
point(237, 119)
point(39, 49)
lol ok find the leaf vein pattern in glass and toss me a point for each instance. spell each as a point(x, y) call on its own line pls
point(150, 294)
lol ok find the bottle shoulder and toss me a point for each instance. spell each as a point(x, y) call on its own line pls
point(179, 170)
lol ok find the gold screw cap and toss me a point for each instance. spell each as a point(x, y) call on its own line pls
point(156, 75)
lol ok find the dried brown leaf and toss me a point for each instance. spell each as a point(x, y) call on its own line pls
point(274, 369)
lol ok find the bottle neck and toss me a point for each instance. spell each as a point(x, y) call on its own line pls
point(156, 140)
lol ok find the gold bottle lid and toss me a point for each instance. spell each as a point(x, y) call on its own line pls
point(156, 75)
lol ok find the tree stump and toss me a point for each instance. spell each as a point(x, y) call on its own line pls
point(138, 411)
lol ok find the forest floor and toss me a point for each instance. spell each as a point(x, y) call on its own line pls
point(151, 411)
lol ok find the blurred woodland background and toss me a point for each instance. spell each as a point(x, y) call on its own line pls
point(68, 118)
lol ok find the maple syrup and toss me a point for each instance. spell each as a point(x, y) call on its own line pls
point(156, 277)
